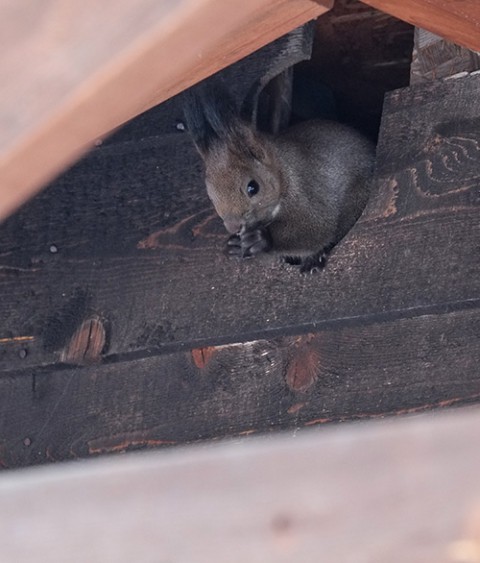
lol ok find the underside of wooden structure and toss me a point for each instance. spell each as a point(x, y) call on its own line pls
point(125, 327)
point(401, 491)
point(72, 74)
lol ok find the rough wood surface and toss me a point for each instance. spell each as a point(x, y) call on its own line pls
point(120, 263)
point(348, 372)
point(435, 58)
point(72, 73)
point(396, 492)
point(132, 227)
point(458, 21)
point(360, 54)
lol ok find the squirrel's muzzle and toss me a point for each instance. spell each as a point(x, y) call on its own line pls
point(233, 225)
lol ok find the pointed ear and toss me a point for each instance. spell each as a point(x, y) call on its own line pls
point(210, 114)
point(249, 143)
point(268, 104)
point(198, 127)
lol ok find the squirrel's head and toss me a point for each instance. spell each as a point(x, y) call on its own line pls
point(243, 180)
point(241, 170)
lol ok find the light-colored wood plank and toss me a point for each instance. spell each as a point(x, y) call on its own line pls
point(379, 492)
point(434, 58)
point(74, 70)
point(456, 20)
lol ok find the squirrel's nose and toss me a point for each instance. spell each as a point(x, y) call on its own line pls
point(233, 225)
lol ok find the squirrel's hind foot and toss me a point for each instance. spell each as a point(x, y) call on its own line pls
point(314, 263)
point(309, 264)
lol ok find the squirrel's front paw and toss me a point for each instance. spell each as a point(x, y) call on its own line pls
point(250, 243)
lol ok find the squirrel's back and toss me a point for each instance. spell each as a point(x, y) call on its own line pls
point(329, 168)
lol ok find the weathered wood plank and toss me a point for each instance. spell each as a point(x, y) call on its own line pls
point(415, 251)
point(403, 491)
point(360, 53)
point(248, 74)
point(428, 156)
point(393, 327)
point(61, 90)
point(457, 21)
point(148, 302)
point(435, 58)
point(343, 373)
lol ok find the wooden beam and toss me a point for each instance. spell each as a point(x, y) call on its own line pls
point(434, 58)
point(379, 332)
point(392, 491)
point(133, 265)
point(457, 21)
point(377, 369)
point(74, 71)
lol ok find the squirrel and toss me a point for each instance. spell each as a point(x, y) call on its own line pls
point(294, 194)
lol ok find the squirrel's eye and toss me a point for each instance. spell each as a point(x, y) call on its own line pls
point(252, 188)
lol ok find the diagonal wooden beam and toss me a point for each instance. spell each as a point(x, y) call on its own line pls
point(74, 70)
point(458, 21)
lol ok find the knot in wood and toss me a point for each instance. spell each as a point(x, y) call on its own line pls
point(87, 343)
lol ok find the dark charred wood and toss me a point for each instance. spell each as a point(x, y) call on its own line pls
point(121, 263)
point(350, 372)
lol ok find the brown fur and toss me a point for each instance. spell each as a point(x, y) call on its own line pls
point(314, 182)
point(313, 179)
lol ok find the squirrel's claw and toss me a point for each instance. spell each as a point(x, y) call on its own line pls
point(249, 244)
point(314, 263)
point(308, 264)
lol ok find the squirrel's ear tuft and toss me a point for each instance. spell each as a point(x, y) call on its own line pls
point(212, 118)
point(249, 143)
point(210, 114)
point(196, 122)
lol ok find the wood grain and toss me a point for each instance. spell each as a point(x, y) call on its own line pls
point(71, 73)
point(414, 252)
point(372, 370)
point(360, 53)
point(403, 491)
point(435, 58)
point(86, 344)
point(194, 346)
point(457, 21)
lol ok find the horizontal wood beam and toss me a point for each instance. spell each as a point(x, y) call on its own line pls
point(457, 21)
point(380, 331)
point(74, 71)
point(50, 414)
point(133, 266)
point(392, 491)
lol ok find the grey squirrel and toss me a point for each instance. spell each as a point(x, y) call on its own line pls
point(293, 194)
